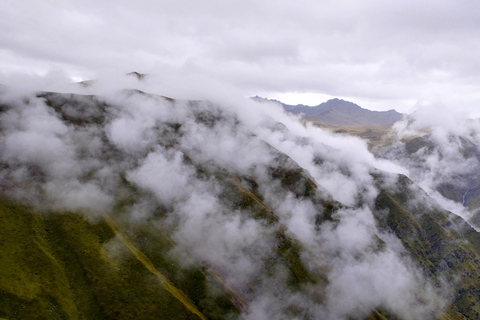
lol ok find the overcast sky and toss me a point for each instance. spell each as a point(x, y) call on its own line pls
point(380, 54)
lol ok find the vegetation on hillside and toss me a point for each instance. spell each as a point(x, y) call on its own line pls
point(196, 217)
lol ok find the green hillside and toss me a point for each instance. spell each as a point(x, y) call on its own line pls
point(185, 213)
point(54, 266)
point(442, 243)
point(63, 266)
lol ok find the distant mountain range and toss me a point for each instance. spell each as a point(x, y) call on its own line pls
point(340, 112)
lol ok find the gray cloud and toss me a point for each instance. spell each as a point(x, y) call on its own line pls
point(370, 52)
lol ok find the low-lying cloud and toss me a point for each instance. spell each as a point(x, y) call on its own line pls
point(180, 153)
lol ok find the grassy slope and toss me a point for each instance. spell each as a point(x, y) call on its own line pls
point(60, 266)
point(100, 278)
point(56, 267)
point(374, 134)
point(429, 235)
point(33, 283)
point(71, 274)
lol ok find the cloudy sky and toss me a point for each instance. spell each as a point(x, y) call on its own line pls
point(380, 54)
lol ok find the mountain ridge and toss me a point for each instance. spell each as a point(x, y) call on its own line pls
point(340, 112)
point(235, 236)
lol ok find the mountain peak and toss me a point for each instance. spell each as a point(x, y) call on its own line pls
point(138, 75)
point(340, 112)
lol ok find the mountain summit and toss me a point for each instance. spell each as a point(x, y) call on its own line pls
point(341, 112)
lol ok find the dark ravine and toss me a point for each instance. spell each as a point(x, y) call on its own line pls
point(61, 260)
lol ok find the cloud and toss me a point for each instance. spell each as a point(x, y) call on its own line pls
point(340, 164)
point(41, 153)
point(165, 175)
point(184, 158)
point(439, 148)
point(382, 281)
point(235, 246)
point(34, 135)
point(392, 54)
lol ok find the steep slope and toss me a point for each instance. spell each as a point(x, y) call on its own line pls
point(54, 267)
point(143, 207)
point(443, 243)
point(443, 159)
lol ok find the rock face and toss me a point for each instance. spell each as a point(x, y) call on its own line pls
point(345, 113)
point(143, 207)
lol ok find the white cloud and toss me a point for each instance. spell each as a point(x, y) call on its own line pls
point(34, 135)
point(391, 54)
point(165, 175)
point(382, 281)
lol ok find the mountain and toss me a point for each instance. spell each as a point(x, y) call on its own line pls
point(341, 112)
point(444, 159)
point(138, 206)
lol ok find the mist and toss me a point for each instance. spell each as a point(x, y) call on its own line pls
point(179, 153)
point(439, 148)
